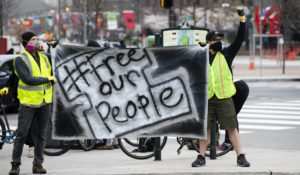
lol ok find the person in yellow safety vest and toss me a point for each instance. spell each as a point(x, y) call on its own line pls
point(35, 95)
point(221, 89)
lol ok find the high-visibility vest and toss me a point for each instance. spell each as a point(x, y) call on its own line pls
point(220, 78)
point(34, 95)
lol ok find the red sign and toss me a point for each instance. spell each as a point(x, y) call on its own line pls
point(271, 16)
point(3, 45)
point(129, 19)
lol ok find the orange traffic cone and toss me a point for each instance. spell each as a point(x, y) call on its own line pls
point(251, 63)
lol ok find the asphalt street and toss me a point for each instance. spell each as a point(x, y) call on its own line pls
point(269, 126)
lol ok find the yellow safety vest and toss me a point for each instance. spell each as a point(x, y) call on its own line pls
point(34, 95)
point(220, 78)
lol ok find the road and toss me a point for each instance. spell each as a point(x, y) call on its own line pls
point(270, 117)
point(269, 127)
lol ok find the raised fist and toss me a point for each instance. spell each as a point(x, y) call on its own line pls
point(240, 11)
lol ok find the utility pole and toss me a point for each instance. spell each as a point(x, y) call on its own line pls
point(1, 27)
point(172, 18)
point(205, 14)
point(59, 16)
point(84, 22)
point(260, 37)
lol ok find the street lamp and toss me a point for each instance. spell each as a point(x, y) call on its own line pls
point(67, 9)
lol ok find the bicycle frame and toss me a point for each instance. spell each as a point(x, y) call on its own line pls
point(11, 134)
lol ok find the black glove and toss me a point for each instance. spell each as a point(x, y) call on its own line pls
point(240, 12)
point(202, 43)
point(52, 43)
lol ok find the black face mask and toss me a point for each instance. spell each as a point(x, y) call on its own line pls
point(216, 46)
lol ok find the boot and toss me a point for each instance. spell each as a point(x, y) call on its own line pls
point(38, 169)
point(15, 168)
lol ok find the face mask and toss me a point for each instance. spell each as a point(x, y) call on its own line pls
point(216, 46)
point(33, 46)
point(30, 47)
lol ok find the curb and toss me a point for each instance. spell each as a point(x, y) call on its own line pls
point(210, 173)
point(271, 79)
point(223, 173)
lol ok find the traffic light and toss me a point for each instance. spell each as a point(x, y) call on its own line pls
point(166, 3)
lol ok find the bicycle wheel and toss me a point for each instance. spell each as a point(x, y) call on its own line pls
point(3, 130)
point(135, 151)
point(136, 143)
point(221, 149)
point(87, 144)
point(57, 147)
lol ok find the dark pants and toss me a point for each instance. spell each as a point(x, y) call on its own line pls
point(26, 117)
point(30, 139)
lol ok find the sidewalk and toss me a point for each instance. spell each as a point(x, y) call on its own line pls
point(270, 70)
point(78, 162)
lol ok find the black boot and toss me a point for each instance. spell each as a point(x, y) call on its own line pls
point(15, 169)
point(38, 169)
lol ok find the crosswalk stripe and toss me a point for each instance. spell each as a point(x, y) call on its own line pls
point(264, 127)
point(282, 122)
point(245, 115)
point(270, 112)
point(279, 104)
point(271, 107)
point(294, 101)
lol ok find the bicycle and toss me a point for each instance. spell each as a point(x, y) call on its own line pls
point(59, 147)
point(3, 125)
point(138, 149)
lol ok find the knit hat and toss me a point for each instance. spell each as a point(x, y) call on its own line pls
point(93, 43)
point(26, 36)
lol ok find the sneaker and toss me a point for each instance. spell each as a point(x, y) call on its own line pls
point(15, 168)
point(224, 146)
point(38, 169)
point(241, 161)
point(105, 147)
point(200, 161)
point(30, 152)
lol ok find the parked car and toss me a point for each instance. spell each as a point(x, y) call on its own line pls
point(6, 69)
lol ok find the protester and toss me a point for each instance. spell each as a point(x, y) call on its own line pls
point(35, 95)
point(122, 45)
point(221, 89)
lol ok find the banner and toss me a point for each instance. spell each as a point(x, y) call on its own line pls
point(112, 21)
point(36, 21)
point(129, 19)
point(28, 22)
point(50, 21)
point(74, 19)
point(108, 93)
point(43, 21)
point(98, 21)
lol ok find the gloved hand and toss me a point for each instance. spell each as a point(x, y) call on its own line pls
point(52, 79)
point(202, 43)
point(4, 91)
point(53, 43)
point(241, 13)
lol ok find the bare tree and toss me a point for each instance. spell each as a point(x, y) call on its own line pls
point(4, 5)
point(290, 19)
